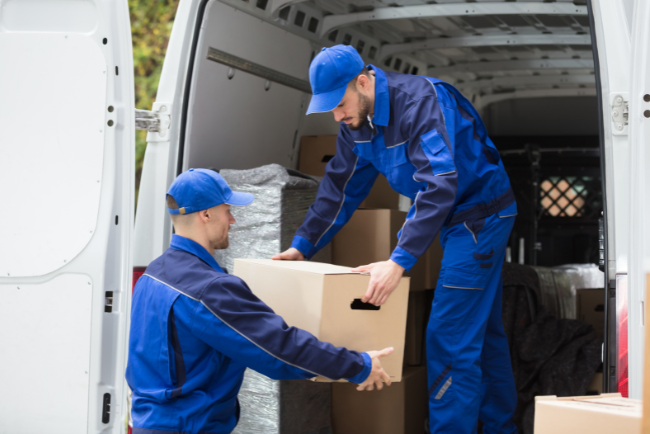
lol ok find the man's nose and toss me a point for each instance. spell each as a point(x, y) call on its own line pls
point(338, 114)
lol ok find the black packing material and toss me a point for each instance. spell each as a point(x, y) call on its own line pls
point(549, 356)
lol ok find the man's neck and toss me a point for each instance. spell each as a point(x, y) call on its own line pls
point(202, 241)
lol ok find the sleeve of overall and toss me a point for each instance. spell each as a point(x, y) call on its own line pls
point(431, 152)
point(231, 319)
point(347, 181)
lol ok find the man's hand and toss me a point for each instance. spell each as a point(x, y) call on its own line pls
point(289, 255)
point(384, 278)
point(377, 375)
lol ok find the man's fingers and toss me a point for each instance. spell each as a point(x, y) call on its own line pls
point(385, 352)
point(379, 384)
point(291, 254)
point(369, 293)
point(376, 294)
point(363, 268)
point(385, 377)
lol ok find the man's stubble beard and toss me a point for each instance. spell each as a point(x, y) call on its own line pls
point(223, 243)
point(364, 111)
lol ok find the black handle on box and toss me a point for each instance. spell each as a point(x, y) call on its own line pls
point(357, 304)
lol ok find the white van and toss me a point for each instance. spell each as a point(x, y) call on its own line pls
point(233, 94)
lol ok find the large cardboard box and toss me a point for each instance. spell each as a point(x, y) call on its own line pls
point(401, 408)
point(590, 306)
point(416, 324)
point(325, 300)
point(317, 151)
point(604, 414)
point(371, 236)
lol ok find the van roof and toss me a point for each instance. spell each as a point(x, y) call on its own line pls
point(483, 48)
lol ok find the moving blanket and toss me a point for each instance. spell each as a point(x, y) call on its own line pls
point(550, 356)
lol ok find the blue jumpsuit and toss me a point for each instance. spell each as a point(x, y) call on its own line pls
point(195, 329)
point(432, 146)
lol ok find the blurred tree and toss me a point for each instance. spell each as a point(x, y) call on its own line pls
point(151, 26)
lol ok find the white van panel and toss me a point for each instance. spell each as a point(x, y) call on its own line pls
point(79, 16)
point(67, 168)
point(53, 340)
point(53, 155)
point(236, 123)
point(639, 118)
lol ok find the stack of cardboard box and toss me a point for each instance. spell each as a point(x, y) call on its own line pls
point(324, 299)
point(371, 236)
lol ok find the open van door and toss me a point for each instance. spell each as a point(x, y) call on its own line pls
point(639, 124)
point(66, 194)
point(612, 42)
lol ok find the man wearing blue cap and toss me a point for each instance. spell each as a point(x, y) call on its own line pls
point(195, 329)
point(432, 146)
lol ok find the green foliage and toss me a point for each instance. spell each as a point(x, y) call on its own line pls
point(151, 26)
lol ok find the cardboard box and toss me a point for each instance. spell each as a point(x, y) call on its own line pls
point(382, 196)
point(604, 414)
point(596, 385)
point(371, 236)
point(324, 300)
point(401, 408)
point(317, 151)
point(590, 306)
point(416, 324)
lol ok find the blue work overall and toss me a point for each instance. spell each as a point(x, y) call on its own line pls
point(195, 329)
point(432, 146)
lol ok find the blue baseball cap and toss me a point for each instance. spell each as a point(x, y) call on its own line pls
point(329, 74)
point(198, 189)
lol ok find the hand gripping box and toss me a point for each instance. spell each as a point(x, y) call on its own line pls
point(604, 414)
point(325, 300)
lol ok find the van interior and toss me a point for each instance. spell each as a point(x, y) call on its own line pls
point(537, 98)
point(531, 76)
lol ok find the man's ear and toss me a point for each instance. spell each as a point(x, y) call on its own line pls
point(363, 82)
point(204, 215)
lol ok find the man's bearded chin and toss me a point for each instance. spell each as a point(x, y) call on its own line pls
point(362, 115)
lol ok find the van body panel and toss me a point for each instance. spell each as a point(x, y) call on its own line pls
point(230, 133)
point(67, 156)
point(639, 137)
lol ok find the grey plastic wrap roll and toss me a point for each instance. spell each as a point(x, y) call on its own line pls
point(263, 229)
point(283, 407)
point(267, 226)
point(558, 286)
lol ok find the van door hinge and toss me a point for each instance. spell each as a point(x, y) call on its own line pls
point(157, 120)
point(620, 113)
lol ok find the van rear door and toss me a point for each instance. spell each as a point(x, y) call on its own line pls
point(639, 125)
point(66, 194)
point(611, 29)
